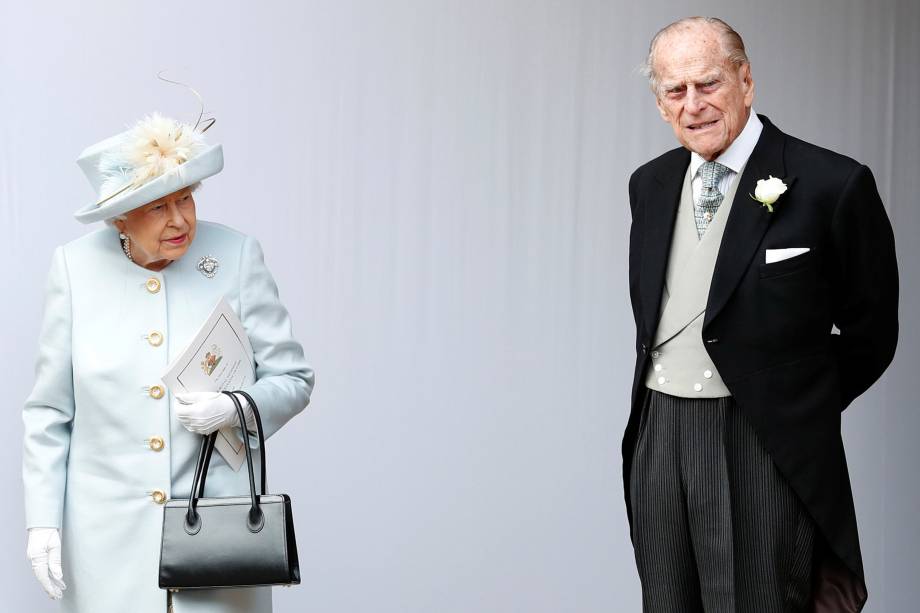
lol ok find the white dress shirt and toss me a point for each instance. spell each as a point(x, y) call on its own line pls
point(735, 157)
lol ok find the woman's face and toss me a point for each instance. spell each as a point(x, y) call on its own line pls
point(161, 231)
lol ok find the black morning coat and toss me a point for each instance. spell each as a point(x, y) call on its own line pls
point(768, 327)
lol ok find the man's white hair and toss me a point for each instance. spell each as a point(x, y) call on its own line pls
point(731, 44)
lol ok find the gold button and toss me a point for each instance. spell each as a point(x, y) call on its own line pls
point(156, 392)
point(156, 443)
point(155, 338)
point(153, 285)
point(159, 496)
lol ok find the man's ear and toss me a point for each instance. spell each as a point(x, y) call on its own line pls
point(747, 84)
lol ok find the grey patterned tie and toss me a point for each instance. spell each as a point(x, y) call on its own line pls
point(705, 207)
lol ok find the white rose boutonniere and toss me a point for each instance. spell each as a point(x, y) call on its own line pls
point(768, 191)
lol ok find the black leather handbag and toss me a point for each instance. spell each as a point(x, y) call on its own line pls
point(240, 541)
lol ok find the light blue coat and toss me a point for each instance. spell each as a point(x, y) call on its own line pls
point(88, 467)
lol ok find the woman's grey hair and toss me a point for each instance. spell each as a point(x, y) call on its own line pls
point(731, 44)
point(111, 220)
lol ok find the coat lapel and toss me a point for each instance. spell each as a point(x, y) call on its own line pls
point(656, 244)
point(748, 220)
point(690, 277)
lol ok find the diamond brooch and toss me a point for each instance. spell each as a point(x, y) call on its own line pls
point(208, 266)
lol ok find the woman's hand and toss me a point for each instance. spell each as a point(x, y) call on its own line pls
point(205, 412)
point(44, 551)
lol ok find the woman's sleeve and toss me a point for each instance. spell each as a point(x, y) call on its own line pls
point(284, 380)
point(49, 410)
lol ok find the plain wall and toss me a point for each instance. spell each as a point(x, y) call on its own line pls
point(440, 189)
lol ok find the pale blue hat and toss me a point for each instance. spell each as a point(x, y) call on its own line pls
point(155, 158)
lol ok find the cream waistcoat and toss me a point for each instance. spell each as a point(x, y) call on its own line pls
point(680, 364)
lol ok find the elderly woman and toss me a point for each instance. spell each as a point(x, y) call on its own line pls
point(105, 443)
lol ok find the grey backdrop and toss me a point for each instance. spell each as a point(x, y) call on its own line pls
point(440, 188)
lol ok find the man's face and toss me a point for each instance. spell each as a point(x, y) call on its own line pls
point(705, 98)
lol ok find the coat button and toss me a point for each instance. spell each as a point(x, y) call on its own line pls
point(697, 387)
point(159, 496)
point(155, 338)
point(657, 367)
point(655, 354)
point(661, 380)
point(152, 285)
point(156, 443)
point(156, 392)
point(707, 373)
point(644, 348)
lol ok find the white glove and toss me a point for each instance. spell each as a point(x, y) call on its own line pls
point(205, 412)
point(44, 551)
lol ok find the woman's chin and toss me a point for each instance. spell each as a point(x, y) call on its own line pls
point(173, 253)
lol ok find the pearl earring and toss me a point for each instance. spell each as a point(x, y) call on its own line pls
point(126, 245)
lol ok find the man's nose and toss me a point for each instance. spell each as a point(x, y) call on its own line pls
point(696, 102)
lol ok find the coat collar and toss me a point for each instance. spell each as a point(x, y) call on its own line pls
point(748, 220)
point(747, 223)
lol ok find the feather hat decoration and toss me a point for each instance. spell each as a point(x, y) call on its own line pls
point(155, 146)
point(156, 157)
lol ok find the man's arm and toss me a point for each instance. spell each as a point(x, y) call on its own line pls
point(635, 244)
point(865, 286)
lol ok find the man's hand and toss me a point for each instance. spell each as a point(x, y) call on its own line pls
point(44, 551)
point(205, 412)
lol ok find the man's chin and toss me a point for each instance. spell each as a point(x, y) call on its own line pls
point(706, 151)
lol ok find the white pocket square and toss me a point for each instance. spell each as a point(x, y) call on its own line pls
point(778, 255)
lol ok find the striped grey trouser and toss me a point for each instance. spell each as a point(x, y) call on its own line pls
point(716, 528)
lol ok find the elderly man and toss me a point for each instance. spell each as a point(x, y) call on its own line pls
point(764, 288)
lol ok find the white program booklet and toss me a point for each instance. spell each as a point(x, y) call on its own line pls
point(218, 358)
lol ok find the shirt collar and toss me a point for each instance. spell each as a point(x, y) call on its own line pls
point(737, 154)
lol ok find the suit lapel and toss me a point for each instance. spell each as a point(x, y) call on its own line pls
point(656, 245)
point(689, 278)
point(748, 220)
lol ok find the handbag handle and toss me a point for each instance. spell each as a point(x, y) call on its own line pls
point(258, 420)
point(255, 519)
point(201, 471)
